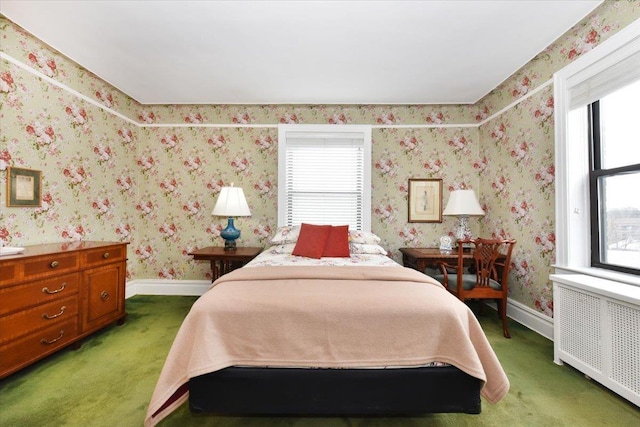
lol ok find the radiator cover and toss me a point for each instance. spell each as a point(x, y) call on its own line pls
point(597, 331)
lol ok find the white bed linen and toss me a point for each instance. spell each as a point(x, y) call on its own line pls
point(280, 255)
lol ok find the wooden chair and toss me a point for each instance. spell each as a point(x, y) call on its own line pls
point(488, 276)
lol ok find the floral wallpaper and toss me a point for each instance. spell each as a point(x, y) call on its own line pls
point(117, 170)
point(82, 151)
point(518, 191)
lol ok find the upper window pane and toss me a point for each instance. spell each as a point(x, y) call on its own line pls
point(620, 127)
point(620, 226)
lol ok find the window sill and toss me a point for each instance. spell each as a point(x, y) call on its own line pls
point(614, 276)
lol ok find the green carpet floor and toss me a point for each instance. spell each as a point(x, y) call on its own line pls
point(109, 380)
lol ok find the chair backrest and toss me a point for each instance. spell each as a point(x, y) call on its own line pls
point(491, 260)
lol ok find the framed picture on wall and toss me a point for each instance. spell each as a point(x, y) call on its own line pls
point(24, 187)
point(425, 200)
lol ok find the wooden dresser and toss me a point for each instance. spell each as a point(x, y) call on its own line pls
point(55, 294)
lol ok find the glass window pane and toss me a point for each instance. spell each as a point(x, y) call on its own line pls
point(620, 127)
point(620, 225)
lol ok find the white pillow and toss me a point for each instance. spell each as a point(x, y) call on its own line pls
point(362, 248)
point(286, 234)
point(356, 236)
point(284, 249)
point(290, 234)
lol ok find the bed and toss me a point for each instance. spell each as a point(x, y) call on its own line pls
point(348, 335)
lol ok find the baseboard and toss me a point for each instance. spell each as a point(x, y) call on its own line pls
point(522, 314)
point(537, 322)
point(530, 318)
point(167, 287)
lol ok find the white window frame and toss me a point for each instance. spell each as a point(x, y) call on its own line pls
point(573, 243)
point(365, 130)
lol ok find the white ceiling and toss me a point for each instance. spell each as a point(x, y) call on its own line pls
point(300, 52)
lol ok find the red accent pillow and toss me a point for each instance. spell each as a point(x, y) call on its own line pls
point(337, 244)
point(311, 240)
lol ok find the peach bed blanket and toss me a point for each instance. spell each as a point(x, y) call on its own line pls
point(325, 317)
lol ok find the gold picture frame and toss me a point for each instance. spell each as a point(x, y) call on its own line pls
point(425, 200)
point(24, 187)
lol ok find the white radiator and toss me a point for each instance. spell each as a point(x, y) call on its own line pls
point(597, 331)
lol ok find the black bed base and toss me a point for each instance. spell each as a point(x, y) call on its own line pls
point(325, 392)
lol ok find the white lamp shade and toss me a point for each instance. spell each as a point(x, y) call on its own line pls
point(463, 203)
point(231, 202)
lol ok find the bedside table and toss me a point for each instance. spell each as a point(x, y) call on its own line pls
point(421, 258)
point(222, 262)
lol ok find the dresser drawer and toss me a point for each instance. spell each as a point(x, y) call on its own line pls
point(103, 295)
point(96, 257)
point(54, 264)
point(16, 298)
point(9, 272)
point(28, 349)
point(42, 316)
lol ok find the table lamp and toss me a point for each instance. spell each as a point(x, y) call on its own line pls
point(463, 204)
point(230, 203)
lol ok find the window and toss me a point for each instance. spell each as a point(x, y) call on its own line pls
point(598, 151)
point(324, 175)
point(614, 180)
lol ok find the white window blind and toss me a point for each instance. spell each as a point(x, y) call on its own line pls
point(614, 74)
point(324, 175)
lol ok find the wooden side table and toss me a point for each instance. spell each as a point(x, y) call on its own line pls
point(421, 258)
point(223, 261)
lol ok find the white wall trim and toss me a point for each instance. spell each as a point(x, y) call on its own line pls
point(536, 321)
point(95, 103)
point(427, 126)
point(517, 101)
point(530, 318)
point(166, 287)
point(206, 125)
point(64, 87)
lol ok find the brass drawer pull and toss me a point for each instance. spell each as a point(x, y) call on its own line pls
point(105, 255)
point(44, 341)
point(54, 264)
point(62, 309)
point(104, 295)
point(47, 291)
